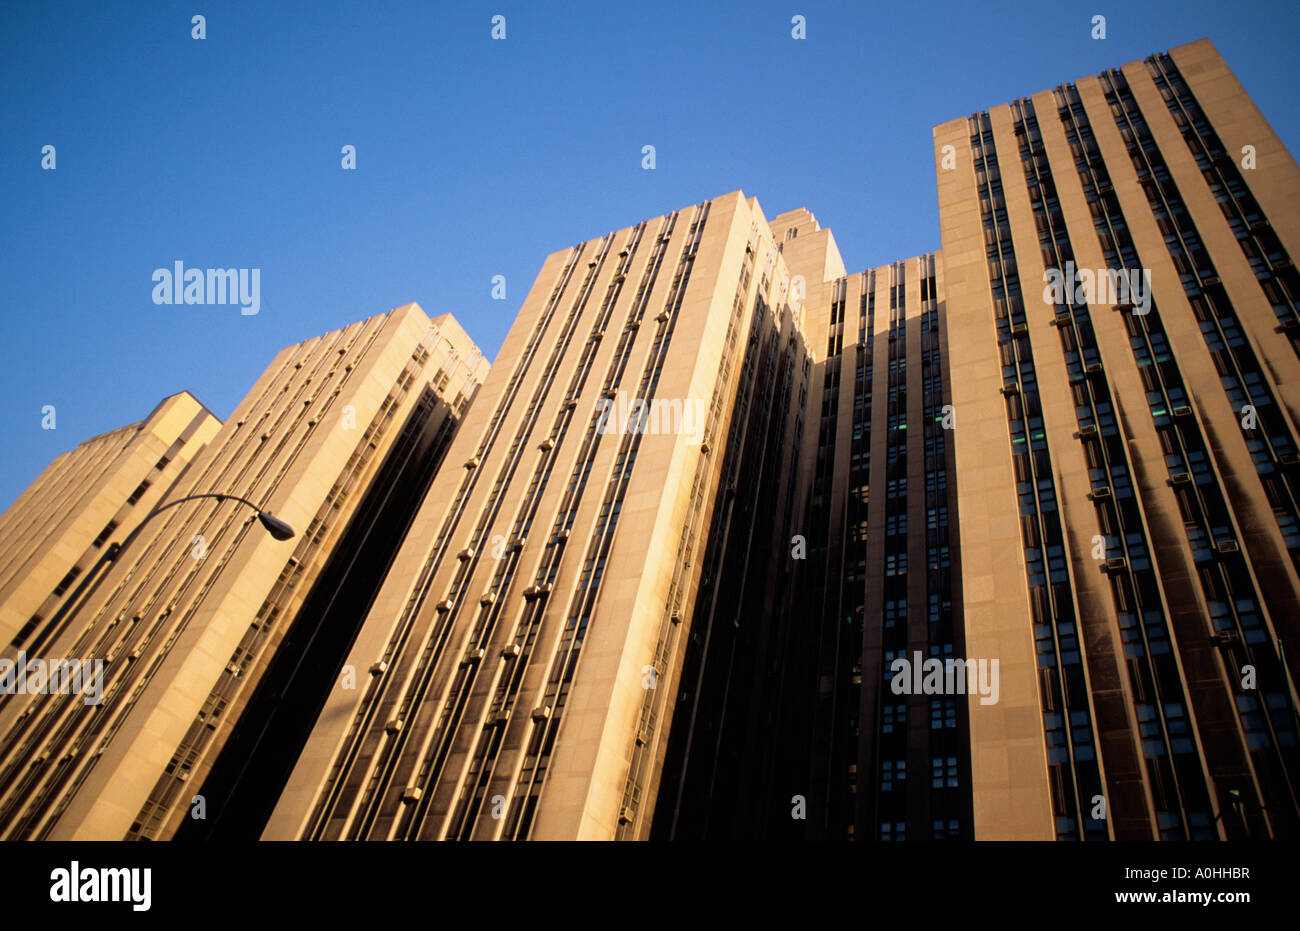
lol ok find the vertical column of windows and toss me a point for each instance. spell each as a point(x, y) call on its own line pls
point(488, 742)
point(339, 791)
point(892, 796)
point(564, 660)
point(1072, 761)
point(1271, 444)
point(1177, 781)
point(391, 765)
point(1236, 622)
point(948, 731)
point(856, 522)
point(1263, 249)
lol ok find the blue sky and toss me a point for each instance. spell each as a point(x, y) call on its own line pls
point(475, 157)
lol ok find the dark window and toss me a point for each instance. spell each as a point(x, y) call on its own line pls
point(104, 534)
point(67, 580)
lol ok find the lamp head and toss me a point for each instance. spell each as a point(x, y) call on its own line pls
point(274, 526)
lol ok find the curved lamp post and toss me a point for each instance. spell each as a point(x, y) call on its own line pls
point(274, 526)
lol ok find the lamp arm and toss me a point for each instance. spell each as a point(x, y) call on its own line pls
point(115, 549)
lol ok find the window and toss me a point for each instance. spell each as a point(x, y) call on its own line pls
point(138, 493)
point(1180, 733)
point(890, 656)
point(947, 829)
point(1149, 729)
point(943, 713)
point(943, 772)
point(104, 534)
point(1252, 719)
point(938, 558)
point(67, 580)
point(939, 607)
point(32, 623)
point(893, 830)
point(1054, 727)
point(892, 771)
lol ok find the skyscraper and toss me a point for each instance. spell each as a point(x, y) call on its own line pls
point(188, 618)
point(56, 529)
point(1126, 455)
point(790, 728)
point(1106, 362)
point(525, 651)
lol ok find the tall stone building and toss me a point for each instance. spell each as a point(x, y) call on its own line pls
point(188, 617)
point(1126, 455)
point(792, 728)
point(57, 528)
point(525, 652)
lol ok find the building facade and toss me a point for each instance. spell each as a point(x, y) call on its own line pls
point(58, 527)
point(996, 542)
point(1127, 453)
point(1052, 463)
point(526, 650)
point(793, 728)
point(187, 619)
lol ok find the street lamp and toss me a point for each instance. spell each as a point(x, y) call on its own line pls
point(277, 528)
point(274, 526)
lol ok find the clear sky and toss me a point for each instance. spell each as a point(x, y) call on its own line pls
point(475, 157)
